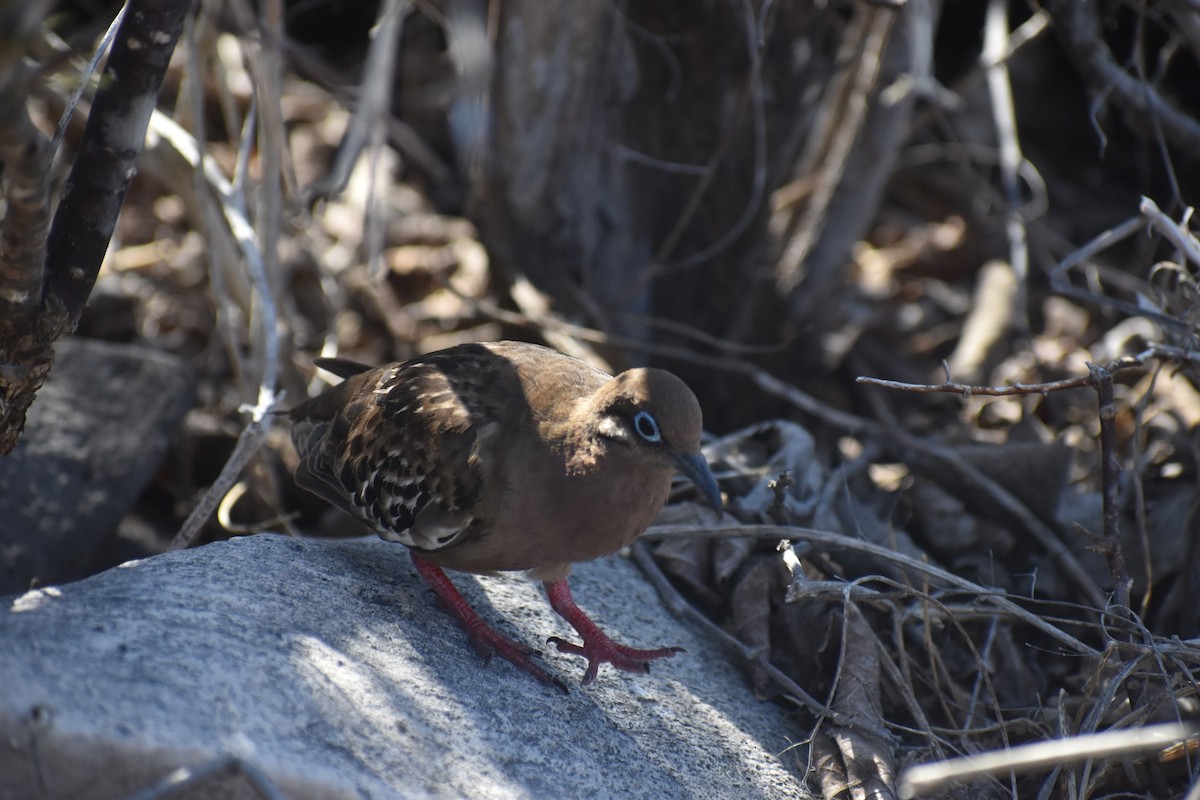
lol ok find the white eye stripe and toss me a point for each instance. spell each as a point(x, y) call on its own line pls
point(646, 426)
point(611, 428)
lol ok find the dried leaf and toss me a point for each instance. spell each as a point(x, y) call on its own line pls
point(750, 606)
point(688, 561)
point(861, 754)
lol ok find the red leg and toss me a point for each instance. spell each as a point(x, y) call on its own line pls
point(486, 641)
point(597, 648)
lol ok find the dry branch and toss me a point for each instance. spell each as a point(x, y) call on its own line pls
point(920, 781)
point(837, 541)
point(25, 355)
point(25, 156)
point(113, 138)
point(45, 302)
point(1080, 34)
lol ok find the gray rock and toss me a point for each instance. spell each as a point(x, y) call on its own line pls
point(94, 437)
point(328, 667)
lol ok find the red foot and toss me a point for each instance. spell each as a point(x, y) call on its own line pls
point(597, 648)
point(486, 641)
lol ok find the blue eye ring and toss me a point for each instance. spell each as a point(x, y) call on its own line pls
point(646, 426)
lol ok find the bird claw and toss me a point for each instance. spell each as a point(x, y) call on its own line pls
point(485, 640)
point(597, 648)
point(488, 643)
point(602, 650)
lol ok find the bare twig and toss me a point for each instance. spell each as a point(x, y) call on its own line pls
point(920, 79)
point(372, 106)
point(1102, 241)
point(229, 297)
point(406, 140)
point(953, 387)
point(752, 205)
point(275, 174)
point(694, 334)
point(1138, 99)
point(925, 779)
point(682, 608)
point(779, 486)
point(1001, 500)
point(933, 611)
point(1137, 442)
point(85, 79)
point(849, 105)
point(1110, 468)
point(249, 442)
point(1175, 232)
point(1163, 351)
point(1100, 379)
point(1028, 31)
point(1005, 118)
point(253, 436)
point(838, 541)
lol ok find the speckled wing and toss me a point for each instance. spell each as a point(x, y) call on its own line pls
point(401, 447)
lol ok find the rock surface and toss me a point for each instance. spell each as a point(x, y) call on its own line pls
point(94, 437)
point(327, 666)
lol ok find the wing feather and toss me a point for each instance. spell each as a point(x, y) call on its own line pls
point(403, 447)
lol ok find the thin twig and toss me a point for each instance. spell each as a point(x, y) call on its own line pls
point(1028, 31)
point(1176, 233)
point(275, 172)
point(254, 434)
point(839, 541)
point(1138, 484)
point(1155, 350)
point(84, 81)
point(1005, 118)
point(682, 608)
point(372, 106)
point(1000, 498)
point(249, 442)
point(1106, 239)
point(923, 780)
point(752, 205)
point(1110, 469)
point(694, 334)
point(1098, 243)
point(952, 387)
point(222, 251)
point(849, 103)
point(1080, 36)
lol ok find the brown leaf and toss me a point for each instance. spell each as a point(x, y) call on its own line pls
point(867, 750)
point(688, 561)
point(750, 606)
